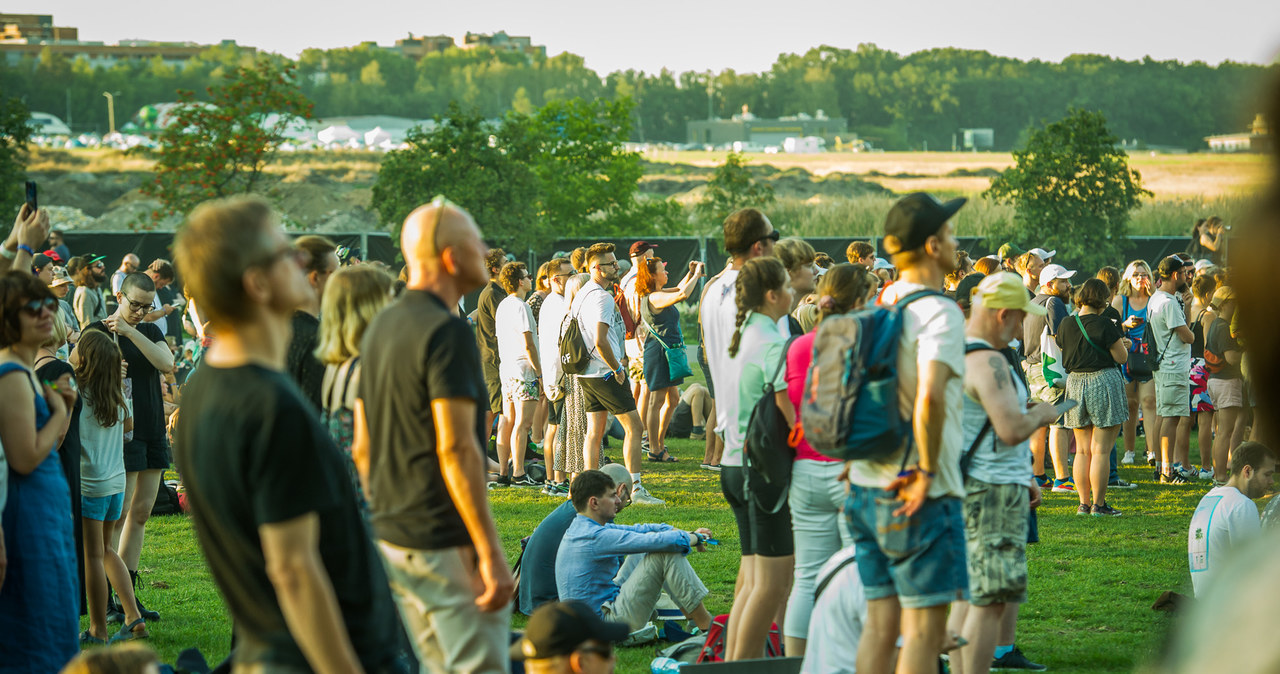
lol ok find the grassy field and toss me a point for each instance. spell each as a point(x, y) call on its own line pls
point(1093, 580)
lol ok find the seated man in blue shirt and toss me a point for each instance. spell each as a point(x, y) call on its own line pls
point(537, 583)
point(593, 549)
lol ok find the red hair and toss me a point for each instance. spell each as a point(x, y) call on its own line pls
point(647, 276)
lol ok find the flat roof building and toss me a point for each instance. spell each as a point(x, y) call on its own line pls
point(747, 128)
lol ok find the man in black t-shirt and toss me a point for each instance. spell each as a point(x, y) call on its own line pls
point(147, 455)
point(419, 424)
point(487, 334)
point(274, 510)
point(319, 259)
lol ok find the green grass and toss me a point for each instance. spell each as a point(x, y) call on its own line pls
point(1092, 580)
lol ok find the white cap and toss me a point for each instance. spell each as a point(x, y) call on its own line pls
point(881, 263)
point(1044, 255)
point(1053, 272)
point(1202, 265)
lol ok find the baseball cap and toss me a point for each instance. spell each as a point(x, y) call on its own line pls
point(881, 263)
point(1043, 254)
point(91, 259)
point(1053, 272)
point(1008, 250)
point(1222, 294)
point(1003, 290)
point(916, 217)
point(968, 284)
point(60, 277)
point(1170, 266)
point(559, 628)
point(640, 247)
point(53, 255)
point(1202, 265)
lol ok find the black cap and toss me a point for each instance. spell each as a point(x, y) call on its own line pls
point(559, 628)
point(1170, 266)
point(915, 218)
point(968, 284)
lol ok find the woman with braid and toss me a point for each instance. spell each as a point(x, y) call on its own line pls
point(764, 521)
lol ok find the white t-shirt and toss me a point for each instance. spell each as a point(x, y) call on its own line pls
point(101, 454)
point(719, 313)
point(1165, 314)
point(511, 321)
point(163, 321)
point(1224, 519)
point(932, 330)
point(839, 614)
point(594, 305)
point(550, 318)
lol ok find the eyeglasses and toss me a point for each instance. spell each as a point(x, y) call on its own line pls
point(99, 266)
point(34, 307)
point(607, 264)
point(564, 275)
point(135, 306)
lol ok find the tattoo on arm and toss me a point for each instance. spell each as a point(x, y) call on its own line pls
point(998, 371)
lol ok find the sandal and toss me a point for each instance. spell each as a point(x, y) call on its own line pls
point(87, 639)
point(664, 457)
point(129, 632)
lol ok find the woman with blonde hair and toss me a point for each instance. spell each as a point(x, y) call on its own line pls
point(816, 494)
point(1131, 302)
point(352, 297)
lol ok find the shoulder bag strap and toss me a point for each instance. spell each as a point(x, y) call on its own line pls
point(1086, 336)
point(782, 362)
point(826, 580)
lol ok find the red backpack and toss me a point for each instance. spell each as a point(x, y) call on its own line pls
point(713, 649)
point(624, 308)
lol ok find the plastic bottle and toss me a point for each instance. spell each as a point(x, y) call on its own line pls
point(665, 666)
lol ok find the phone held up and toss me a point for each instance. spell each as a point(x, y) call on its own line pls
point(32, 204)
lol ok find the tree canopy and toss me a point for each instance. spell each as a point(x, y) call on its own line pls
point(1072, 191)
point(896, 101)
point(14, 134)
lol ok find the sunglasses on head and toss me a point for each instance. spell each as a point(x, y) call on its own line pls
point(34, 307)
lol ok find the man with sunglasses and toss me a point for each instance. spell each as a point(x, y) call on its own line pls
point(147, 455)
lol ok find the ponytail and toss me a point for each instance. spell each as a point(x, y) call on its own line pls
point(758, 276)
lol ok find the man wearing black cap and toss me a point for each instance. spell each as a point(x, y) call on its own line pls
point(565, 637)
point(908, 594)
point(1168, 319)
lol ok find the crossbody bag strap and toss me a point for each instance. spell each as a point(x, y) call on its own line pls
point(1086, 336)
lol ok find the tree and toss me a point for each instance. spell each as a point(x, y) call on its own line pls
point(465, 159)
point(732, 188)
point(220, 148)
point(1072, 191)
point(14, 136)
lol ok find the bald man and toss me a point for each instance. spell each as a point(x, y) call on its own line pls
point(419, 428)
point(128, 265)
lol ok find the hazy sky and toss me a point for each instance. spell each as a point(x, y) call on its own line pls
point(708, 34)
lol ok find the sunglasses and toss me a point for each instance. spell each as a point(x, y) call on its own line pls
point(772, 236)
point(34, 307)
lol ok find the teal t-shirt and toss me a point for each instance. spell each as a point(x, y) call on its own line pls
point(759, 351)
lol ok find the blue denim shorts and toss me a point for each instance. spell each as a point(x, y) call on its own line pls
point(102, 508)
point(921, 559)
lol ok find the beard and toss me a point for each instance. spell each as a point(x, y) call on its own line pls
point(1182, 286)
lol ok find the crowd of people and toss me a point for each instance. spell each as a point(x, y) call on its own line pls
point(338, 432)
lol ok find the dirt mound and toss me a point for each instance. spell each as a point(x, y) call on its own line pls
point(92, 193)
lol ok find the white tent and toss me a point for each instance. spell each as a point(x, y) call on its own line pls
point(377, 136)
point(336, 134)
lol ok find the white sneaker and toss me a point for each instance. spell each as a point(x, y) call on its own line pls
point(645, 635)
point(1206, 473)
point(1128, 459)
point(642, 496)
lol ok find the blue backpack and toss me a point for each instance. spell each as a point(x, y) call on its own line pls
point(849, 405)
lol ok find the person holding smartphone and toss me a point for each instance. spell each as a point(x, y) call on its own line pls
point(1093, 348)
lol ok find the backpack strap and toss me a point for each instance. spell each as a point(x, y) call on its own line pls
point(826, 580)
point(782, 362)
point(967, 457)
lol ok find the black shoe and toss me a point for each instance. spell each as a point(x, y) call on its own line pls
point(147, 615)
point(500, 481)
point(115, 616)
point(525, 480)
point(1014, 659)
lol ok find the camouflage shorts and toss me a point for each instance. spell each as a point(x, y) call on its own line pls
point(635, 369)
point(995, 531)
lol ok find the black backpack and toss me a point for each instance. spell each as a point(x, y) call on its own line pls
point(574, 354)
point(769, 456)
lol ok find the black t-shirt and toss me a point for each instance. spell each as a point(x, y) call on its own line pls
point(1077, 354)
point(252, 452)
point(414, 352)
point(486, 331)
point(148, 403)
point(1033, 326)
point(301, 362)
point(1219, 343)
point(1112, 315)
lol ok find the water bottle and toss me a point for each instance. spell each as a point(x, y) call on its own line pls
point(665, 666)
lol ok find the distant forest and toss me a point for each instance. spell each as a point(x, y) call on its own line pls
point(897, 102)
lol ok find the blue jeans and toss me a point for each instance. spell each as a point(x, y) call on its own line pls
point(920, 559)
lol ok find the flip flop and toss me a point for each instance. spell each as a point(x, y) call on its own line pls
point(664, 457)
point(87, 639)
point(127, 633)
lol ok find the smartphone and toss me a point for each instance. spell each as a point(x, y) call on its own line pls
point(1062, 407)
point(31, 196)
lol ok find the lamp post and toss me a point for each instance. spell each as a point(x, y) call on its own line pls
point(111, 111)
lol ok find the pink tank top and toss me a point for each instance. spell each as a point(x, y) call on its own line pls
point(798, 360)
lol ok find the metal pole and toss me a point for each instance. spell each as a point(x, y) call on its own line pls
point(111, 111)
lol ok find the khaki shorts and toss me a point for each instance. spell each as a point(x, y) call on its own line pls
point(995, 533)
point(1226, 393)
point(1173, 390)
